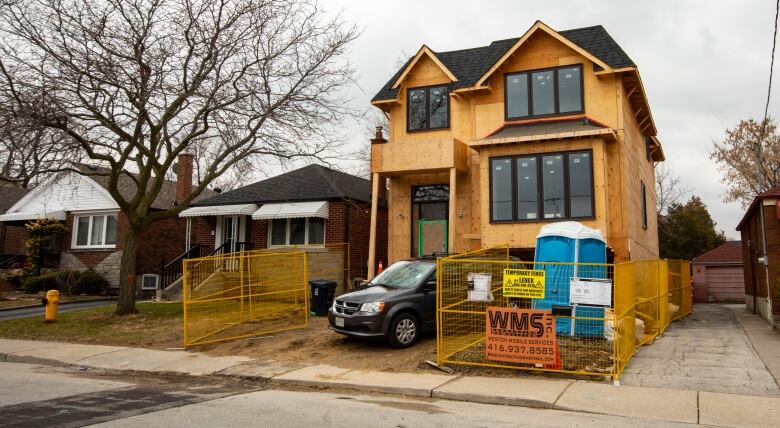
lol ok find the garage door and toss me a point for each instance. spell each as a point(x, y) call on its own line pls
point(725, 283)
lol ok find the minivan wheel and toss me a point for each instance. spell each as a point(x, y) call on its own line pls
point(404, 331)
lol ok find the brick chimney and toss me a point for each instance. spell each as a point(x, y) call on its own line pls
point(378, 138)
point(183, 176)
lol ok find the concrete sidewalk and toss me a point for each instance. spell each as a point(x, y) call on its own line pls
point(660, 404)
point(763, 337)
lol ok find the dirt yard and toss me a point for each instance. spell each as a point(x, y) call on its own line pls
point(318, 345)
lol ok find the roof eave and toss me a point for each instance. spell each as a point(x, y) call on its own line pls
point(539, 25)
point(424, 50)
point(637, 97)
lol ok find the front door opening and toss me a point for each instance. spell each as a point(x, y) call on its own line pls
point(230, 233)
point(430, 219)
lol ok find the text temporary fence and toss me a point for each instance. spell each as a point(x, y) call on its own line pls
point(241, 295)
point(561, 317)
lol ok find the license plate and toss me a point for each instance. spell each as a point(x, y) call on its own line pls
point(339, 322)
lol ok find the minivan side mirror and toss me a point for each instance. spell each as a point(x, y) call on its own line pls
point(430, 285)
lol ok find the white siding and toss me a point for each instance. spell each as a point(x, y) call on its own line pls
point(66, 192)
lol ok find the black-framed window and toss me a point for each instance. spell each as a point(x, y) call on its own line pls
point(428, 108)
point(548, 186)
point(546, 92)
point(644, 205)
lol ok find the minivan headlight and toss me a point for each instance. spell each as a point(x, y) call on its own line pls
point(372, 308)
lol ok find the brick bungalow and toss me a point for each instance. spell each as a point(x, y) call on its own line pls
point(310, 206)
point(94, 222)
point(718, 275)
point(12, 239)
point(760, 229)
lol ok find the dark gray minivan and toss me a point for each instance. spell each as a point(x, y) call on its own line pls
point(398, 304)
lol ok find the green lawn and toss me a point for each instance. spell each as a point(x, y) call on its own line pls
point(157, 325)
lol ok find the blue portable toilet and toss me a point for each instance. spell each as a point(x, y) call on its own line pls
point(570, 242)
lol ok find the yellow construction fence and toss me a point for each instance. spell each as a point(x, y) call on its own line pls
point(241, 295)
point(498, 312)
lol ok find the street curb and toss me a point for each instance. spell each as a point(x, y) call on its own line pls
point(393, 390)
point(67, 302)
point(487, 399)
point(577, 396)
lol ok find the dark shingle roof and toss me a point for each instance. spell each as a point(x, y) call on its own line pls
point(310, 183)
point(9, 195)
point(468, 65)
point(600, 44)
point(730, 252)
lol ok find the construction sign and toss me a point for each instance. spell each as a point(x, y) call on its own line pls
point(520, 336)
point(524, 283)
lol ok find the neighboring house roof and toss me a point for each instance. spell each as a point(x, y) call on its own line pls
point(127, 188)
point(469, 65)
point(773, 193)
point(310, 183)
point(730, 252)
point(9, 195)
point(84, 191)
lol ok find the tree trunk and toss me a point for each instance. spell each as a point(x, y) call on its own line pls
point(126, 302)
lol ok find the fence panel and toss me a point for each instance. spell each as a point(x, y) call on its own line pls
point(588, 339)
point(241, 295)
point(327, 262)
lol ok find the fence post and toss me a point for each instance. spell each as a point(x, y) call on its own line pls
point(663, 295)
point(241, 288)
point(438, 310)
point(305, 289)
point(185, 284)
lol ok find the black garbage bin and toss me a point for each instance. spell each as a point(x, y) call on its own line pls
point(322, 292)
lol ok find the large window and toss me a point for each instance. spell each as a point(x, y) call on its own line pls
point(543, 92)
point(541, 187)
point(428, 108)
point(94, 231)
point(297, 231)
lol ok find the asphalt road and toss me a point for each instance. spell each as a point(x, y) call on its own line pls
point(35, 395)
point(38, 310)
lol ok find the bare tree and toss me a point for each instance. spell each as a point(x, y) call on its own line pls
point(736, 159)
point(374, 120)
point(135, 83)
point(668, 188)
point(29, 152)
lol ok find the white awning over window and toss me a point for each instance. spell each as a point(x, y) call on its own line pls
point(55, 215)
point(292, 210)
point(241, 209)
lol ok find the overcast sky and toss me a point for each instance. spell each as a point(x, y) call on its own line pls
point(704, 64)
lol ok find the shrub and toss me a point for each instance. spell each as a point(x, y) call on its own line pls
point(44, 282)
point(91, 282)
point(16, 281)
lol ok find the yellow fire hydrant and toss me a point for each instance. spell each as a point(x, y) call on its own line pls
point(51, 301)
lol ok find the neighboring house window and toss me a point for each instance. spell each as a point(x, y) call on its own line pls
point(543, 186)
point(94, 231)
point(543, 92)
point(297, 231)
point(428, 108)
point(644, 205)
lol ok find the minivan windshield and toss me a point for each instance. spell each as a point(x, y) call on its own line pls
point(404, 274)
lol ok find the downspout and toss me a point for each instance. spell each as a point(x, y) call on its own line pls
point(189, 232)
point(765, 256)
point(346, 239)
